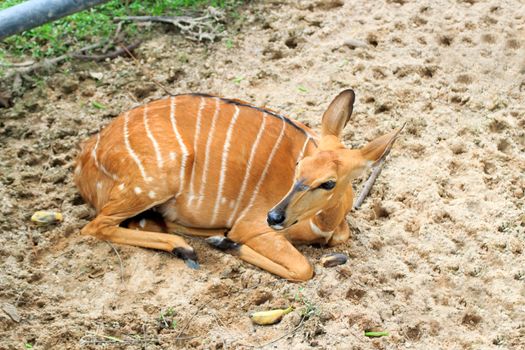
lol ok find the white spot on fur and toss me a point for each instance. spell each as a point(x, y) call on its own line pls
point(223, 200)
point(173, 155)
point(138, 190)
point(319, 232)
point(121, 187)
point(169, 211)
point(152, 194)
point(99, 185)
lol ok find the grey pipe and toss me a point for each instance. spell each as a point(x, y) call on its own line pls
point(34, 13)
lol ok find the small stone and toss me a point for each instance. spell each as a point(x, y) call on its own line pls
point(69, 86)
point(96, 75)
point(261, 297)
point(458, 148)
point(353, 43)
point(11, 311)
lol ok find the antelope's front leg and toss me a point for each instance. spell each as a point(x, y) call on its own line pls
point(305, 233)
point(341, 234)
point(269, 250)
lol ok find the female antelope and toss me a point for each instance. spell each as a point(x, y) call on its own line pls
point(214, 167)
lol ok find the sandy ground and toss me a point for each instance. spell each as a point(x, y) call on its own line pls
point(436, 253)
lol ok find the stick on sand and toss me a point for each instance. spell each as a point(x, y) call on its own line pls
point(375, 173)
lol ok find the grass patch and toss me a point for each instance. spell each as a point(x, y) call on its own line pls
point(91, 26)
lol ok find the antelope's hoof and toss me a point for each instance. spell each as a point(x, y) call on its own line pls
point(188, 255)
point(334, 259)
point(223, 243)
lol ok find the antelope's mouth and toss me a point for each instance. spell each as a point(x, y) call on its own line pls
point(281, 227)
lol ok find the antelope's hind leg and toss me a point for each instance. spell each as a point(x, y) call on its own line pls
point(173, 227)
point(106, 227)
point(269, 250)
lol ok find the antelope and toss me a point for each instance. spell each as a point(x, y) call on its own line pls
point(249, 180)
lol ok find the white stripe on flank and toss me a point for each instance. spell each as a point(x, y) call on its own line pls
point(94, 151)
point(195, 143)
point(130, 150)
point(248, 170)
point(224, 163)
point(160, 161)
point(302, 150)
point(265, 171)
point(207, 153)
point(183, 148)
point(100, 165)
point(107, 173)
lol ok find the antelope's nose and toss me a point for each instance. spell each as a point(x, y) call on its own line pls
point(275, 218)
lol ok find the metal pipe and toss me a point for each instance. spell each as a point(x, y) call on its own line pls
point(34, 13)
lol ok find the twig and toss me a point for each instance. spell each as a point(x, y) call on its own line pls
point(120, 261)
point(375, 173)
point(285, 335)
point(178, 337)
point(147, 73)
point(115, 38)
point(95, 338)
point(370, 182)
point(48, 62)
point(20, 295)
point(33, 247)
point(194, 28)
point(113, 54)
point(21, 64)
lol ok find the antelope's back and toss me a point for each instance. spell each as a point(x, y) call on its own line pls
point(205, 161)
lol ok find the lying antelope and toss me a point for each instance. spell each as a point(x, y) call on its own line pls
point(215, 168)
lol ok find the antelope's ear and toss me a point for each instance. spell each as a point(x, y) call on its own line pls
point(338, 114)
point(379, 147)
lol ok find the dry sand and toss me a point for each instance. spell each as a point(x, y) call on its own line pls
point(436, 252)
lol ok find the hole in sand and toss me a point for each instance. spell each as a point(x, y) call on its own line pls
point(355, 294)
point(471, 320)
point(488, 38)
point(513, 44)
point(372, 40)
point(464, 79)
point(445, 40)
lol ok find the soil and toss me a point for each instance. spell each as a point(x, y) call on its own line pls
point(436, 253)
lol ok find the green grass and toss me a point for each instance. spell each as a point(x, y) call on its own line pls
point(90, 26)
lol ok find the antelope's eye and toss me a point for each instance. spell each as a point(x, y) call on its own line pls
point(328, 185)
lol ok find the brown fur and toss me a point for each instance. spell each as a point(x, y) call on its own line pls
point(110, 178)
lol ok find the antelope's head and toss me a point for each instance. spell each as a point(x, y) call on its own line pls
point(322, 178)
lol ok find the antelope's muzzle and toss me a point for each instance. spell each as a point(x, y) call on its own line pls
point(275, 219)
